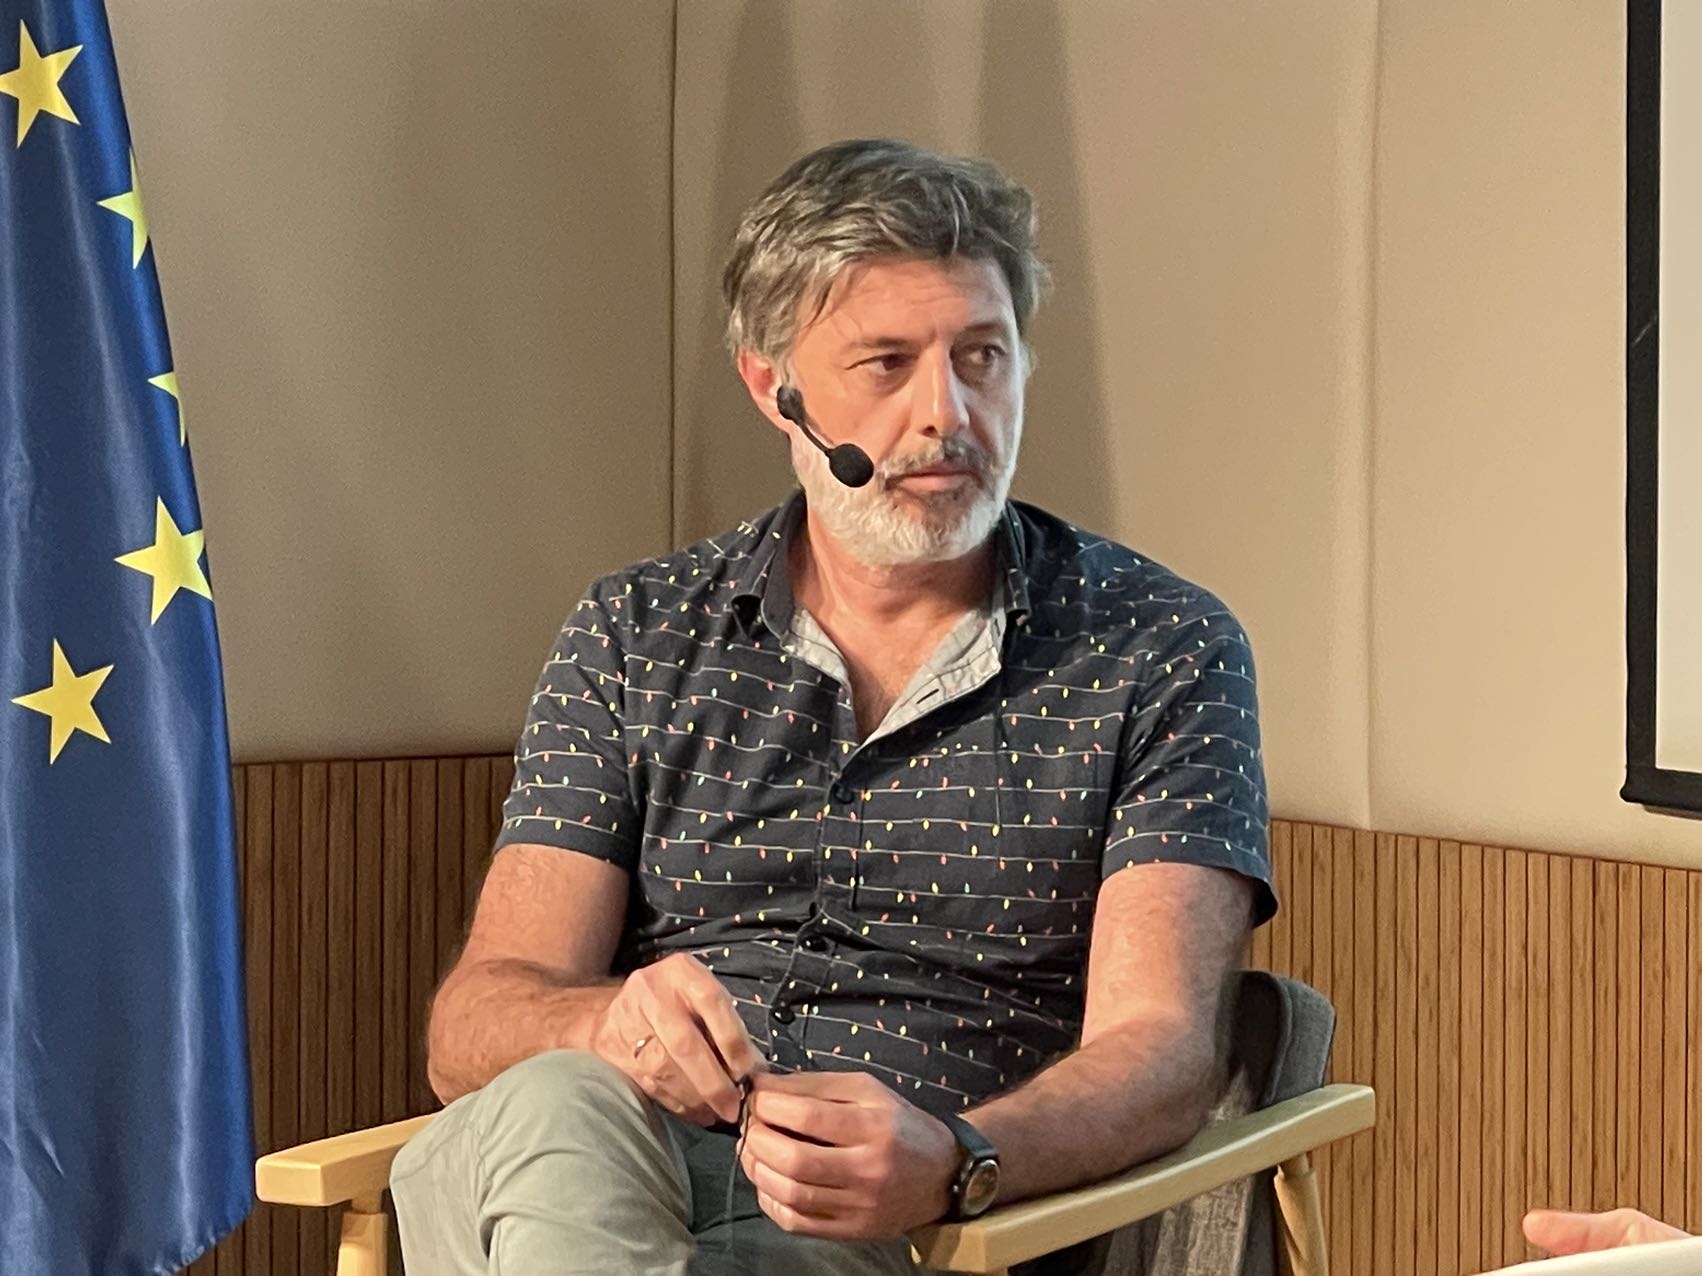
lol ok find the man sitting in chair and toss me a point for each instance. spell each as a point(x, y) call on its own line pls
point(910, 830)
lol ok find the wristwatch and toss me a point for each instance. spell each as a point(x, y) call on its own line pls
point(977, 1182)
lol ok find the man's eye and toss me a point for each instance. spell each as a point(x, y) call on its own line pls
point(986, 356)
point(885, 362)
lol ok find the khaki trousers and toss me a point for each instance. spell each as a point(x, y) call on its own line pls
point(560, 1166)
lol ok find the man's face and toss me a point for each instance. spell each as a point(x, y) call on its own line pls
point(919, 364)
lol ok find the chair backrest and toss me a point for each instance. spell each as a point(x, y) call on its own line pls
point(1279, 1047)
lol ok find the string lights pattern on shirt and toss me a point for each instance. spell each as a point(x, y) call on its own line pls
point(919, 905)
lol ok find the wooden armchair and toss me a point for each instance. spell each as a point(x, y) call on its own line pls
point(1267, 1147)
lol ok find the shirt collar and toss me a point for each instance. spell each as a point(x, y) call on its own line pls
point(762, 585)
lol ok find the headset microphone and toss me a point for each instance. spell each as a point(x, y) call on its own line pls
point(849, 463)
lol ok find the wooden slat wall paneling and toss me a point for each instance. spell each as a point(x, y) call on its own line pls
point(1384, 1030)
point(315, 953)
point(1362, 849)
point(1311, 940)
point(1604, 1111)
point(1537, 1009)
point(1495, 1061)
point(1471, 1059)
point(1406, 1055)
point(1556, 1102)
point(1692, 1219)
point(449, 862)
point(1282, 865)
point(257, 840)
point(340, 966)
point(1630, 980)
point(476, 828)
point(1514, 1119)
point(1448, 1248)
point(286, 988)
point(1650, 1055)
point(340, 948)
point(502, 779)
point(1557, 968)
point(368, 1062)
point(1344, 1061)
point(421, 923)
point(1300, 877)
point(1675, 1026)
point(1583, 976)
point(1425, 949)
point(394, 1046)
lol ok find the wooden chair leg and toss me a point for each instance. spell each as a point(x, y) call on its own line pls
point(1303, 1251)
point(364, 1247)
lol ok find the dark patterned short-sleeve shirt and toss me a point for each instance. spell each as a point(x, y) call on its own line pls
point(917, 904)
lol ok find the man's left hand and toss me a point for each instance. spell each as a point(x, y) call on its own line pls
point(839, 1155)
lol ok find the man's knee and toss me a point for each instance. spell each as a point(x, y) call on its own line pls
point(554, 1147)
point(546, 1081)
point(560, 1099)
point(570, 1094)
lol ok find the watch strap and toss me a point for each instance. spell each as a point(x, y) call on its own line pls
point(976, 1145)
point(977, 1150)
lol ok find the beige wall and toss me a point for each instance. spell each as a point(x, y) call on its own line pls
point(1498, 668)
point(1337, 332)
point(417, 281)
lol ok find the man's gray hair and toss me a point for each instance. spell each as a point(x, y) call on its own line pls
point(859, 200)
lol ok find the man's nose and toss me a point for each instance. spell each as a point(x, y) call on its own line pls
point(939, 406)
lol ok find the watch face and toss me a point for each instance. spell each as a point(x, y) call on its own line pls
point(982, 1187)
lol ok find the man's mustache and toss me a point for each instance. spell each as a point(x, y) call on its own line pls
point(955, 452)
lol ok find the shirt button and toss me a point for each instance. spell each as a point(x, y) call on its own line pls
point(783, 1014)
point(843, 792)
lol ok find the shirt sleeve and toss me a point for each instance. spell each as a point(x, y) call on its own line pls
point(1192, 786)
point(572, 786)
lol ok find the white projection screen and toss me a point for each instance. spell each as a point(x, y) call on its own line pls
point(1664, 404)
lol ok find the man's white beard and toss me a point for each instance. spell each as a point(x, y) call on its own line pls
point(884, 528)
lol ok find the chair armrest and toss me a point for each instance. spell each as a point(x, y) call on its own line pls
point(330, 1171)
point(1221, 1153)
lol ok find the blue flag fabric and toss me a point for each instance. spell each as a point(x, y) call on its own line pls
point(125, 1143)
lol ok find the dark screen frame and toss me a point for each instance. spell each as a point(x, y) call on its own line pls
point(1646, 782)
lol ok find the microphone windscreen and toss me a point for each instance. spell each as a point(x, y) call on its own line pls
point(851, 465)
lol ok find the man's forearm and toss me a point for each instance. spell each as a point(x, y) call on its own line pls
point(1130, 1095)
point(491, 1016)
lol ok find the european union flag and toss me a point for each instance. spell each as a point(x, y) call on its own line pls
point(125, 1143)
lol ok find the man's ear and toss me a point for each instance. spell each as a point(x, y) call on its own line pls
point(763, 380)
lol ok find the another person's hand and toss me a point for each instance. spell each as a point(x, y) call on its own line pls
point(839, 1155)
point(1559, 1232)
point(674, 1030)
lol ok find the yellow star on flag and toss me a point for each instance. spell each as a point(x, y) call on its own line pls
point(167, 381)
point(173, 560)
point(69, 702)
point(35, 83)
point(129, 205)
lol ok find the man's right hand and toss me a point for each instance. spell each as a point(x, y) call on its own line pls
point(1559, 1232)
point(674, 1030)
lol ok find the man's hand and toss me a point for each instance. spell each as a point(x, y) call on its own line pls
point(674, 1030)
point(1559, 1232)
point(839, 1155)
